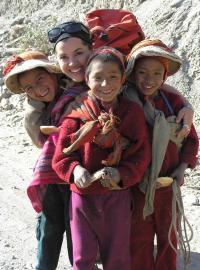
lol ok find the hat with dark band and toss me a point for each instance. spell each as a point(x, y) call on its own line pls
point(154, 48)
point(24, 62)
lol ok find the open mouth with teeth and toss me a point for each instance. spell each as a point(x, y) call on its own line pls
point(76, 70)
point(107, 92)
point(45, 93)
point(148, 86)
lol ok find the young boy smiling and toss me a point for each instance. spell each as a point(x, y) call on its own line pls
point(149, 64)
point(97, 137)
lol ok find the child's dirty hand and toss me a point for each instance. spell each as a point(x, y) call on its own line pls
point(178, 173)
point(82, 177)
point(110, 177)
point(185, 115)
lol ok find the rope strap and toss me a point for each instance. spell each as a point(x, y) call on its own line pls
point(180, 226)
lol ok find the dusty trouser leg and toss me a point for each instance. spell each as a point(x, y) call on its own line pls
point(50, 230)
point(102, 220)
point(114, 231)
point(83, 236)
point(166, 256)
point(65, 194)
point(142, 235)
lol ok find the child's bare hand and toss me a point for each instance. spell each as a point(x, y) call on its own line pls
point(178, 173)
point(82, 177)
point(186, 115)
point(110, 177)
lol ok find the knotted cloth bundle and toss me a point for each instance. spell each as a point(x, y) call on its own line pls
point(99, 127)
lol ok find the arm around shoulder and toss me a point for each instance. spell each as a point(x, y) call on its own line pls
point(189, 151)
point(185, 114)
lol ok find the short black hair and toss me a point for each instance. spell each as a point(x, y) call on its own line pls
point(105, 58)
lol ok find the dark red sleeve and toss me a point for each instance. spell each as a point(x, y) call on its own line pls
point(135, 160)
point(189, 149)
point(61, 163)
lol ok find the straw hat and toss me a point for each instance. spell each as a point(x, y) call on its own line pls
point(152, 48)
point(25, 62)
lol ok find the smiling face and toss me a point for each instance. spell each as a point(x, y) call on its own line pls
point(148, 75)
point(72, 55)
point(105, 80)
point(39, 84)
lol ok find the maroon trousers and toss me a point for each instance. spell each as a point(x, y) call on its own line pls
point(101, 222)
point(143, 255)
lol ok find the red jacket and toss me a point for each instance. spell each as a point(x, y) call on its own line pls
point(131, 167)
point(189, 150)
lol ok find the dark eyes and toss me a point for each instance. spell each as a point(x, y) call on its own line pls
point(144, 72)
point(63, 57)
point(41, 78)
point(98, 78)
point(141, 71)
point(79, 53)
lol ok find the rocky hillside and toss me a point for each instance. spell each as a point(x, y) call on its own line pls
point(24, 24)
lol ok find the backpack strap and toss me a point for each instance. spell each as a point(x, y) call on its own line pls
point(167, 103)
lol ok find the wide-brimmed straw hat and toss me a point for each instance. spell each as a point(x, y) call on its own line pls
point(153, 48)
point(25, 62)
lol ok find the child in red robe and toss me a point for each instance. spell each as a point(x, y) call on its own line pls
point(149, 64)
point(102, 145)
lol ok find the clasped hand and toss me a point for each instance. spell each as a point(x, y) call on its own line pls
point(110, 177)
point(82, 177)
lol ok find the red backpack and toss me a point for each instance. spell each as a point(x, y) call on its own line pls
point(114, 27)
